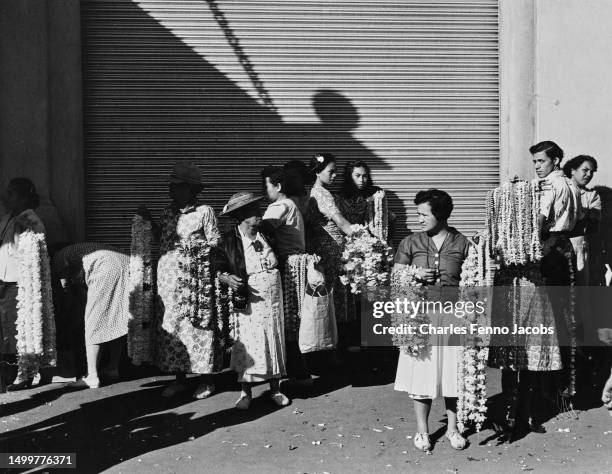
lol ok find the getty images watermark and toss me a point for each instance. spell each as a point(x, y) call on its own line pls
point(503, 315)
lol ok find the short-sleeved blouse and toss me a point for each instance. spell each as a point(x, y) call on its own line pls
point(179, 224)
point(322, 205)
point(321, 208)
point(419, 249)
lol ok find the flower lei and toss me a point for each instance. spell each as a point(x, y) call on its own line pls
point(471, 389)
point(404, 284)
point(471, 373)
point(512, 222)
point(366, 260)
point(35, 320)
point(140, 342)
point(224, 302)
point(196, 284)
point(377, 215)
point(294, 286)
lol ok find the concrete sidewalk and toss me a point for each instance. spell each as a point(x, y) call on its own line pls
point(343, 425)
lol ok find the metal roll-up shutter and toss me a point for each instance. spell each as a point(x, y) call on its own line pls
point(409, 86)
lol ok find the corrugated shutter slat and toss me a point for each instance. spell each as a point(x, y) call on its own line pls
point(409, 86)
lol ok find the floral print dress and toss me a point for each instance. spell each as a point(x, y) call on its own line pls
point(326, 239)
point(182, 347)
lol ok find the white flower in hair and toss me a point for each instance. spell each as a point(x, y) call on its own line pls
point(320, 159)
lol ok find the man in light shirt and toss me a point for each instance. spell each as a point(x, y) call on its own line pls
point(560, 208)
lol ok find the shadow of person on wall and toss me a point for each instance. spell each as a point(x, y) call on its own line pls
point(161, 101)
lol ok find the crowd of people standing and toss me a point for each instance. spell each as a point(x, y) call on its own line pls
point(257, 261)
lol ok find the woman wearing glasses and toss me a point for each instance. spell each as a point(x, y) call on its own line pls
point(250, 268)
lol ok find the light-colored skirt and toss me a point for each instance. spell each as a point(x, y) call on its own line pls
point(107, 310)
point(433, 373)
point(259, 351)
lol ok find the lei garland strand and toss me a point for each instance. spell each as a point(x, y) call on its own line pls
point(35, 321)
point(404, 284)
point(140, 343)
point(196, 286)
point(224, 302)
point(471, 373)
point(294, 284)
point(366, 261)
point(512, 211)
point(377, 216)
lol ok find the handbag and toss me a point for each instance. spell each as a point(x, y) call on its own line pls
point(318, 331)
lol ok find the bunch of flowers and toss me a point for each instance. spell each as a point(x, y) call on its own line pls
point(472, 391)
point(512, 211)
point(405, 284)
point(35, 320)
point(377, 216)
point(196, 282)
point(366, 261)
point(140, 342)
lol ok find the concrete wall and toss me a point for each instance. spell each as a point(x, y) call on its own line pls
point(40, 104)
point(574, 78)
point(555, 75)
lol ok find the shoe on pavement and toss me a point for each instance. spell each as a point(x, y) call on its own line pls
point(85, 382)
point(244, 402)
point(422, 442)
point(204, 390)
point(20, 385)
point(457, 441)
point(280, 399)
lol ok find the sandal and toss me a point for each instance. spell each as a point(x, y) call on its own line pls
point(205, 390)
point(457, 441)
point(422, 442)
point(21, 385)
point(280, 399)
point(244, 402)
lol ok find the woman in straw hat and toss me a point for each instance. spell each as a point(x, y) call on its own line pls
point(250, 269)
point(184, 347)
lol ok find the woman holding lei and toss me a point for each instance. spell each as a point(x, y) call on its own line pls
point(184, 346)
point(358, 192)
point(438, 251)
point(326, 229)
point(249, 269)
point(26, 314)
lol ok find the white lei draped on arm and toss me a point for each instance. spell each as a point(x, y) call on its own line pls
point(35, 319)
point(377, 217)
point(140, 341)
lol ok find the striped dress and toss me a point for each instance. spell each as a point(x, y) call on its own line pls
point(106, 273)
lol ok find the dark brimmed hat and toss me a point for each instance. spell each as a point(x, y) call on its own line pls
point(239, 200)
point(186, 173)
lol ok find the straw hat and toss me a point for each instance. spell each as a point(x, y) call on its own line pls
point(239, 200)
point(186, 172)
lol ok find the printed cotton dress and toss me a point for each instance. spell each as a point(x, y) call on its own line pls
point(183, 347)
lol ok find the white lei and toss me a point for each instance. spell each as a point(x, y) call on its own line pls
point(35, 320)
point(377, 217)
point(471, 373)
